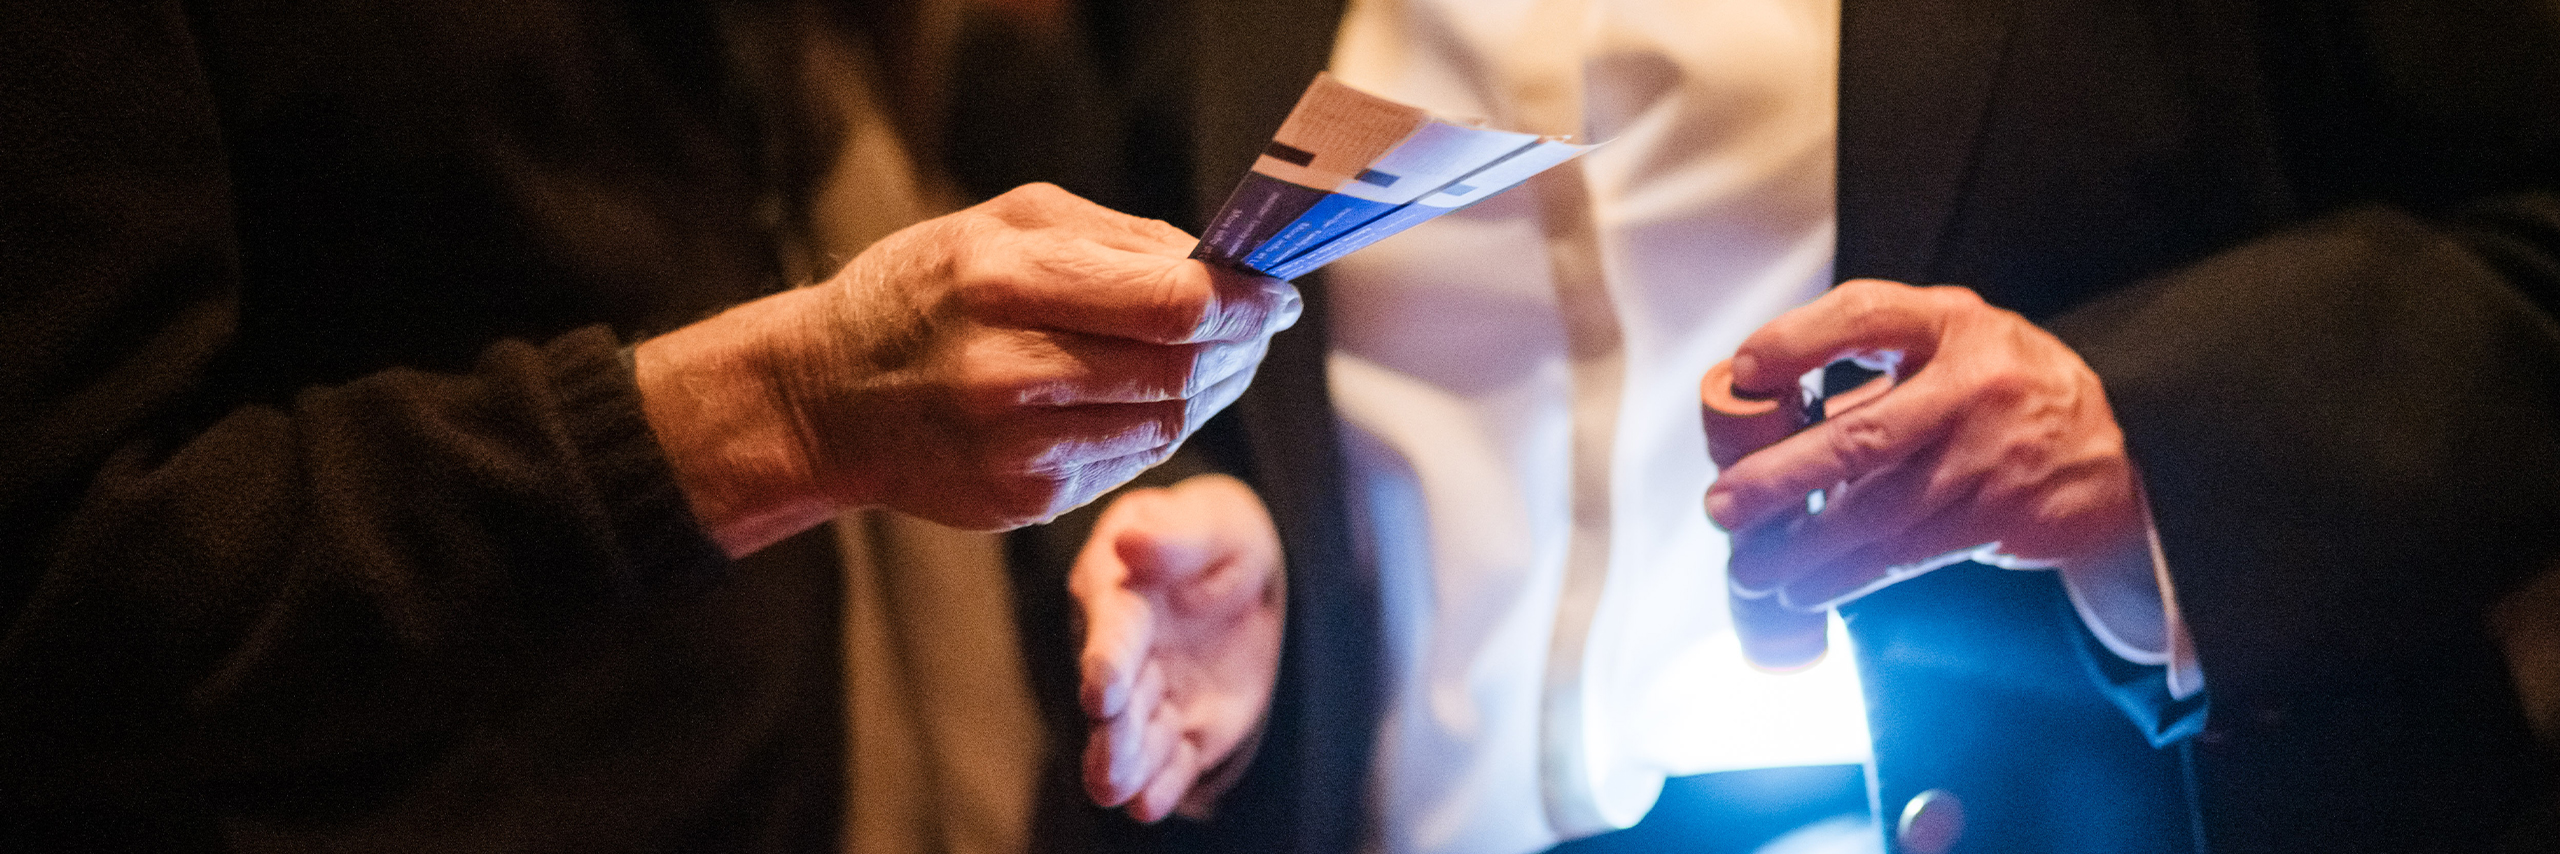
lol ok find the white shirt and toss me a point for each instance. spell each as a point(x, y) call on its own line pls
point(1518, 388)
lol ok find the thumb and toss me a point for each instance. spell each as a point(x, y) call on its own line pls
point(1119, 624)
point(1119, 628)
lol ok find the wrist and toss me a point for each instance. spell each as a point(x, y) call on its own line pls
point(736, 444)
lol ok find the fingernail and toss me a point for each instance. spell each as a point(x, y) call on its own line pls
point(1744, 368)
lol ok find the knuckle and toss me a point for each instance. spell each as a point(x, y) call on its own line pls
point(1165, 426)
point(1180, 306)
point(1036, 189)
point(1029, 206)
point(1157, 229)
point(1184, 372)
point(1037, 195)
point(1099, 662)
point(2055, 527)
point(1045, 457)
point(1863, 443)
point(1866, 289)
point(987, 282)
point(979, 222)
point(2005, 492)
point(2024, 467)
point(1873, 311)
point(991, 376)
point(2063, 510)
point(1955, 297)
point(2005, 388)
point(1153, 457)
point(1026, 498)
point(1860, 299)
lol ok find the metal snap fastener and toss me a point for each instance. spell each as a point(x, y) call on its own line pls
point(1931, 823)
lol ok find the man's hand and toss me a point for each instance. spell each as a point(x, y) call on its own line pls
point(1997, 443)
point(986, 369)
point(1180, 591)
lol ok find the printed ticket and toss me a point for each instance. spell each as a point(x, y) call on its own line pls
point(1348, 168)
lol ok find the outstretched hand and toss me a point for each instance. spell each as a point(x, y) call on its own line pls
point(1180, 593)
point(1996, 444)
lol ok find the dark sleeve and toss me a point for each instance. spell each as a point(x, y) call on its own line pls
point(2351, 437)
point(2349, 424)
point(2350, 433)
point(2349, 428)
point(199, 586)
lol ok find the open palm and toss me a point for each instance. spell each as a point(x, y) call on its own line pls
point(1180, 590)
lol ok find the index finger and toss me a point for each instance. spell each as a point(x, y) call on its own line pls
point(1084, 285)
point(1861, 316)
point(1042, 205)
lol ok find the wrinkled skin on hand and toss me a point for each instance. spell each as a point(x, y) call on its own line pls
point(1036, 347)
point(987, 369)
point(1996, 435)
point(1180, 593)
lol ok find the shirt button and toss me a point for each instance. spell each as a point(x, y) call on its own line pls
point(1931, 823)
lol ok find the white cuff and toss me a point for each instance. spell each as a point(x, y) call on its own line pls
point(2131, 607)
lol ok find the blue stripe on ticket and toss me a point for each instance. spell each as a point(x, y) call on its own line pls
point(1332, 216)
point(1375, 230)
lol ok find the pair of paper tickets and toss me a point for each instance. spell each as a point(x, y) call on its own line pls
point(1348, 168)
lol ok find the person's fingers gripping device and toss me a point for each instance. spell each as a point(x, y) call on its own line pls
point(1775, 637)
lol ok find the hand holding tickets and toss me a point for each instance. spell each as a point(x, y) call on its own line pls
point(986, 369)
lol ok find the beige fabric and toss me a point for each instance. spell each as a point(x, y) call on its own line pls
point(943, 741)
point(874, 186)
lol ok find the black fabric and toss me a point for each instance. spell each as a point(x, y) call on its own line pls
point(328, 519)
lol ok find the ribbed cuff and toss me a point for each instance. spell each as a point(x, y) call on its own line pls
point(654, 528)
